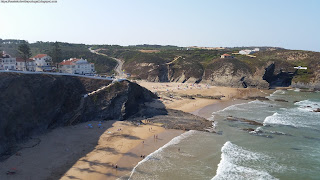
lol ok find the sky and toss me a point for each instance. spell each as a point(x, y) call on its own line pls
point(291, 24)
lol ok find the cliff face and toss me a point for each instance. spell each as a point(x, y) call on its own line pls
point(32, 104)
point(234, 73)
point(282, 79)
point(154, 72)
point(119, 101)
point(205, 66)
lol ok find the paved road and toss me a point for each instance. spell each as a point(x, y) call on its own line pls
point(118, 68)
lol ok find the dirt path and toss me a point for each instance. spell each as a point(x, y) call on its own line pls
point(118, 68)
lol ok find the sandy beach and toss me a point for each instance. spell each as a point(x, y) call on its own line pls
point(121, 146)
point(88, 153)
point(81, 152)
point(172, 95)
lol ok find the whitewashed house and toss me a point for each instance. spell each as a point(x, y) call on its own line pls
point(7, 62)
point(226, 56)
point(21, 65)
point(248, 51)
point(43, 62)
point(76, 66)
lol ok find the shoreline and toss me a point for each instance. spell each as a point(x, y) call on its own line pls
point(123, 152)
point(124, 147)
point(185, 97)
point(206, 111)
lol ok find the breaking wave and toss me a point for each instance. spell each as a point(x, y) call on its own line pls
point(232, 162)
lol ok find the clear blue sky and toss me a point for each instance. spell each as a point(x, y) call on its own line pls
point(292, 24)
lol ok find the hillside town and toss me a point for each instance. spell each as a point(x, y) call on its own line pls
point(43, 63)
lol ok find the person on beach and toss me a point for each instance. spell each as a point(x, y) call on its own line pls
point(116, 166)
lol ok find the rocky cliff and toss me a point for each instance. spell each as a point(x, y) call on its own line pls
point(33, 104)
point(206, 66)
point(281, 79)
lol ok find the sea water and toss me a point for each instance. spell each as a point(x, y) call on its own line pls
point(285, 146)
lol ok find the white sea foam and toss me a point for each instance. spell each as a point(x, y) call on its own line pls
point(301, 116)
point(238, 106)
point(257, 130)
point(307, 105)
point(211, 118)
point(297, 90)
point(233, 159)
point(277, 92)
point(174, 141)
point(277, 118)
point(304, 103)
point(259, 102)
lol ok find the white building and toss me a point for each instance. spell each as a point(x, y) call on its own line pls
point(21, 65)
point(43, 62)
point(7, 62)
point(226, 56)
point(248, 51)
point(76, 66)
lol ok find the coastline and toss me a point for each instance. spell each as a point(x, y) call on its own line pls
point(185, 97)
point(122, 149)
point(96, 157)
point(206, 111)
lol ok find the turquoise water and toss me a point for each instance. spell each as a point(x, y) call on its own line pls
point(286, 146)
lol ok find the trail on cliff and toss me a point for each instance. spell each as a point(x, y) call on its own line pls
point(118, 68)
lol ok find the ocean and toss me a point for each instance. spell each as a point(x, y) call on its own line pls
point(285, 145)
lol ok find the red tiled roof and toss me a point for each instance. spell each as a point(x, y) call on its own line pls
point(40, 56)
point(69, 62)
point(22, 60)
point(226, 55)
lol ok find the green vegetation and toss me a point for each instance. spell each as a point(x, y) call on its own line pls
point(25, 54)
point(60, 51)
point(143, 60)
point(56, 53)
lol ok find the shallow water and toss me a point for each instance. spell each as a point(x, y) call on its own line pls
point(287, 146)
